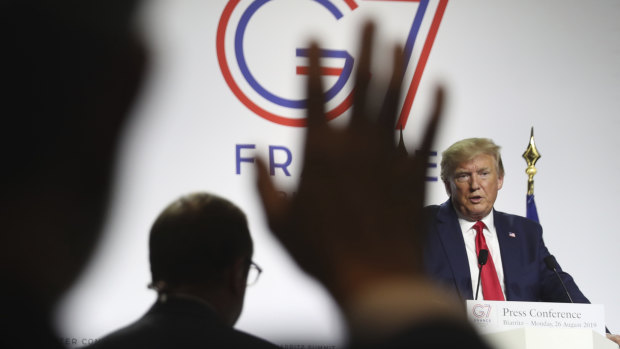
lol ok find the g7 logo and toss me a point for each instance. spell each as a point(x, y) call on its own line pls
point(250, 84)
point(481, 310)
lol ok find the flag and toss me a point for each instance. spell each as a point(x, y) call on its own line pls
point(530, 208)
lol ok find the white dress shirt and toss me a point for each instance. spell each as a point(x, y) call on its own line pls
point(469, 235)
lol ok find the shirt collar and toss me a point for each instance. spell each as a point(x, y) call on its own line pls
point(488, 220)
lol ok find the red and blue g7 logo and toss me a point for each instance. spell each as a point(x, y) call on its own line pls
point(259, 49)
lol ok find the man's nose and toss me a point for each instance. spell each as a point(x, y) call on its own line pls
point(474, 182)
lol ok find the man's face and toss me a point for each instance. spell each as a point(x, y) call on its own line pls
point(473, 187)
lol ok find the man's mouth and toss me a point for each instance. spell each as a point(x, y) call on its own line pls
point(475, 199)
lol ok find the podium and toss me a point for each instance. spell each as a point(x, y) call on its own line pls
point(538, 325)
point(548, 338)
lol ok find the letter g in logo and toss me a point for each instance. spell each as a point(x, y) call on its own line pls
point(481, 310)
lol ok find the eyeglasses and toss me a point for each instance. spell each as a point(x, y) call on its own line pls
point(253, 273)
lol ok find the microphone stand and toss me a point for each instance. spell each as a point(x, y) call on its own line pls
point(483, 255)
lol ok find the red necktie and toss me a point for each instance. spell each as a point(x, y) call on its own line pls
point(491, 289)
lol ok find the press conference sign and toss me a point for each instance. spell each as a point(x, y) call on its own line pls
point(495, 316)
point(262, 50)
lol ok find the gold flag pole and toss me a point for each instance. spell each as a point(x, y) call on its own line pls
point(531, 155)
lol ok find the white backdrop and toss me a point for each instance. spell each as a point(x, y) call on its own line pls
point(507, 65)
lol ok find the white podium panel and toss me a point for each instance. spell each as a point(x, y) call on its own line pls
point(549, 338)
point(495, 316)
point(540, 325)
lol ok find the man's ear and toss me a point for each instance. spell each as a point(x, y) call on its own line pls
point(238, 276)
point(446, 185)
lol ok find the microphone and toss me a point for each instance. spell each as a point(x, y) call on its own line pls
point(552, 265)
point(483, 255)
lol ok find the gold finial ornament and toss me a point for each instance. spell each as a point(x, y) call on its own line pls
point(531, 155)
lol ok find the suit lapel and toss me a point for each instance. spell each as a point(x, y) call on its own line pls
point(453, 243)
point(509, 249)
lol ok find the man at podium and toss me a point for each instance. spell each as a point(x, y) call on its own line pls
point(517, 266)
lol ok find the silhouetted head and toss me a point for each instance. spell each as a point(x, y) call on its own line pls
point(200, 245)
point(70, 70)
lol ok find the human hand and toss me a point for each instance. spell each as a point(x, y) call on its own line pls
point(614, 338)
point(357, 216)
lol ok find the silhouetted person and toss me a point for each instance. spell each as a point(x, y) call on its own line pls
point(69, 72)
point(200, 253)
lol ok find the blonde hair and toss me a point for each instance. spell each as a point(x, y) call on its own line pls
point(467, 149)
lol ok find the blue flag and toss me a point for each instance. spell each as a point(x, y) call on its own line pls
point(530, 208)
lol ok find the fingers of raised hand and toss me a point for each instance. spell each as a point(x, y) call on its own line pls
point(316, 99)
point(362, 79)
point(389, 109)
point(274, 204)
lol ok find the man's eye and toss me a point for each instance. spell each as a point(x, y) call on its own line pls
point(462, 177)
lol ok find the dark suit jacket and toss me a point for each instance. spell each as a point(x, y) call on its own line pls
point(523, 251)
point(180, 323)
